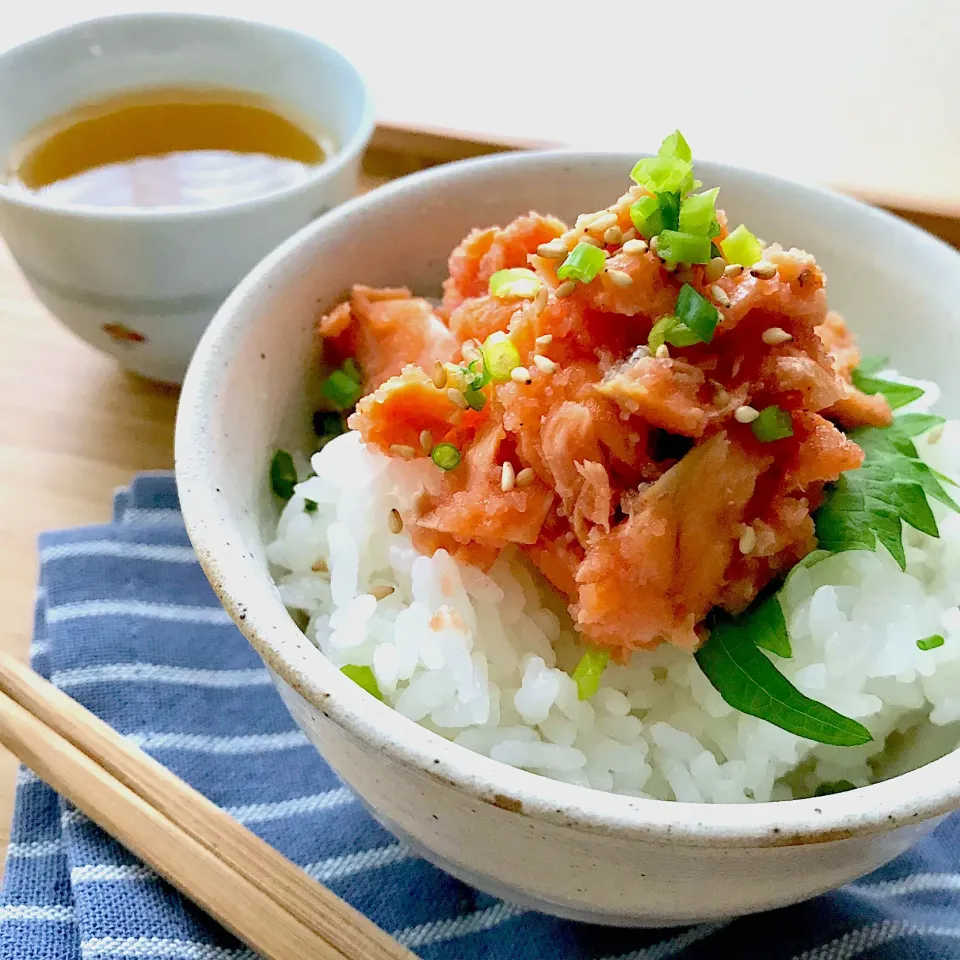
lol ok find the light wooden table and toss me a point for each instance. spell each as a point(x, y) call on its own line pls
point(863, 96)
point(72, 428)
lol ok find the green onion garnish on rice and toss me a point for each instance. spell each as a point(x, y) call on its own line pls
point(327, 425)
point(583, 263)
point(695, 321)
point(516, 282)
point(589, 671)
point(362, 677)
point(446, 456)
point(310, 506)
point(678, 247)
point(671, 330)
point(772, 424)
point(647, 216)
point(341, 390)
point(476, 399)
point(698, 214)
point(931, 642)
point(671, 171)
point(500, 356)
point(742, 247)
point(697, 313)
point(834, 786)
point(283, 475)
point(352, 370)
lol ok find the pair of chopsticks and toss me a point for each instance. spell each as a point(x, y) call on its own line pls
point(269, 903)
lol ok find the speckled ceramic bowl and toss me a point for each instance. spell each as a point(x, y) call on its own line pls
point(563, 849)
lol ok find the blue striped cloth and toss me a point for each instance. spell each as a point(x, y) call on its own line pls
point(127, 625)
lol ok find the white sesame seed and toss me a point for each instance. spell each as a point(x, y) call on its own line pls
point(526, 476)
point(426, 441)
point(714, 269)
point(439, 375)
point(635, 246)
point(663, 352)
point(554, 250)
point(544, 364)
point(613, 235)
point(593, 241)
point(587, 220)
point(720, 295)
point(570, 238)
point(545, 340)
point(654, 243)
point(933, 437)
point(746, 414)
point(508, 477)
point(540, 300)
point(748, 540)
point(732, 270)
point(566, 288)
point(394, 521)
point(764, 270)
point(520, 375)
point(620, 278)
point(629, 235)
point(685, 274)
point(470, 350)
point(381, 593)
point(603, 222)
point(640, 353)
point(773, 336)
point(457, 398)
point(402, 450)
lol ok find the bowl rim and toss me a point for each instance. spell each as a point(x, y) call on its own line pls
point(908, 799)
point(346, 154)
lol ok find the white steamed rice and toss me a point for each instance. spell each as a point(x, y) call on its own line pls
point(484, 659)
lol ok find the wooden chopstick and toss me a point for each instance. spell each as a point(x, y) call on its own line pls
point(267, 901)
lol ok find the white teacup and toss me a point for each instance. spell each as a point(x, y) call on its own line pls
point(142, 283)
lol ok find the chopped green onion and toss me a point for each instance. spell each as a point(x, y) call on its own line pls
point(772, 424)
point(931, 642)
point(283, 475)
point(341, 390)
point(500, 356)
point(669, 210)
point(647, 216)
point(516, 282)
point(834, 786)
point(697, 313)
point(477, 375)
point(664, 174)
point(475, 398)
point(677, 247)
point(310, 506)
point(350, 368)
point(698, 214)
point(589, 671)
point(675, 145)
point(583, 263)
point(741, 247)
point(446, 456)
point(362, 677)
point(327, 425)
point(670, 330)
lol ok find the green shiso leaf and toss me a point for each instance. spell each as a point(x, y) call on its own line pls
point(746, 679)
point(891, 488)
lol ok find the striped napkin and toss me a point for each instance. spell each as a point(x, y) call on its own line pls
point(127, 625)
